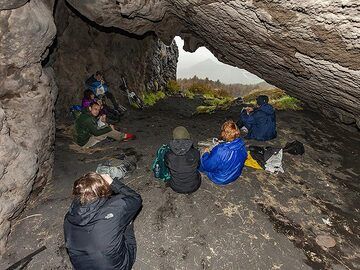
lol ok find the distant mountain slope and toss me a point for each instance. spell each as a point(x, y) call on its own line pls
point(219, 71)
point(235, 90)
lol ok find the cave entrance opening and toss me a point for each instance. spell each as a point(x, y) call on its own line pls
point(200, 72)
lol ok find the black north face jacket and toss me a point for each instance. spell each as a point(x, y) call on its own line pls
point(183, 161)
point(98, 235)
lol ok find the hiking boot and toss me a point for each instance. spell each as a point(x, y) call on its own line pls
point(128, 137)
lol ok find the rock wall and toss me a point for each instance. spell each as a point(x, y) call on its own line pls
point(308, 48)
point(27, 97)
point(84, 47)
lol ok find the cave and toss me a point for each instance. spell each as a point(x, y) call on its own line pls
point(308, 48)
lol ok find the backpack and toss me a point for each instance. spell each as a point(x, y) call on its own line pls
point(75, 111)
point(294, 148)
point(158, 167)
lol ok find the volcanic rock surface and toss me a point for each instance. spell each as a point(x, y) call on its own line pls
point(83, 47)
point(27, 97)
point(309, 48)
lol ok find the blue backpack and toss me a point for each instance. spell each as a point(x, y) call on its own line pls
point(158, 167)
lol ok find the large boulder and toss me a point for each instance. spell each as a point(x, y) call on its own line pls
point(27, 97)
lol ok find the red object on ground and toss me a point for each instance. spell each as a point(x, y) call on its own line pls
point(129, 136)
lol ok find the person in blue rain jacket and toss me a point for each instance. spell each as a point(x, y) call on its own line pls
point(225, 162)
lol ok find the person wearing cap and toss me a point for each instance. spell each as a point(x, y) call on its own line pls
point(260, 122)
point(183, 161)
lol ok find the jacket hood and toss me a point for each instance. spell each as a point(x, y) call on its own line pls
point(267, 108)
point(235, 144)
point(180, 147)
point(81, 215)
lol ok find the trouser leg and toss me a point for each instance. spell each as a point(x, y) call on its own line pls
point(114, 134)
point(110, 96)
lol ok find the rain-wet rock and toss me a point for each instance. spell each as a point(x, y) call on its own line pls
point(27, 97)
point(308, 48)
point(144, 61)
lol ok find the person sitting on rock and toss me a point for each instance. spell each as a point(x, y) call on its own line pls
point(96, 83)
point(261, 121)
point(98, 227)
point(183, 162)
point(225, 162)
point(88, 132)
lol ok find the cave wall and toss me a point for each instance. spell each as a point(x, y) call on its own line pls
point(84, 47)
point(33, 63)
point(27, 97)
point(308, 48)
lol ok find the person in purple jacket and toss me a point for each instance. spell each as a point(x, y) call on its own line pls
point(89, 97)
point(225, 162)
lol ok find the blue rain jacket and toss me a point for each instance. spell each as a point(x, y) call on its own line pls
point(261, 123)
point(225, 162)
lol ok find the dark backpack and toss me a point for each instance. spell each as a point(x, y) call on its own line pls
point(158, 167)
point(294, 148)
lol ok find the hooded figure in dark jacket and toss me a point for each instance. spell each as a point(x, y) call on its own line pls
point(260, 122)
point(183, 161)
point(98, 227)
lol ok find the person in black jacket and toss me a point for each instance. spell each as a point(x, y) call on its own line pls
point(98, 227)
point(183, 161)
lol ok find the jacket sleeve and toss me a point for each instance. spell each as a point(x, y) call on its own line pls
point(129, 201)
point(210, 161)
point(248, 119)
point(93, 129)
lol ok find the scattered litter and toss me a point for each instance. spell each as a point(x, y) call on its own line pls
point(325, 241)
point(34, 215)
point(327, 221)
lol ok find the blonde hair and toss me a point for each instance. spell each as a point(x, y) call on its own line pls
point(90, 187)
point(229, 131)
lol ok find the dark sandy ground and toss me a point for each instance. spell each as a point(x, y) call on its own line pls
point(261, 221)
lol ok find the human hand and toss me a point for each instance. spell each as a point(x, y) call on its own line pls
point(107, 178)
point(103, 118)
point(249, 109)
point(112, 127)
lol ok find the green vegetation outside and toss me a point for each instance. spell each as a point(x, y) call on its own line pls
point(277, 97)
point(216, 97)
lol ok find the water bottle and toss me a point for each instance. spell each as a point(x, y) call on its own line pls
point(157, 171)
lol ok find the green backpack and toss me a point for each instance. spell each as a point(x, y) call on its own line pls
point(158, 167)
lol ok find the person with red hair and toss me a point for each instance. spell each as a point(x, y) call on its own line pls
point(225, 162)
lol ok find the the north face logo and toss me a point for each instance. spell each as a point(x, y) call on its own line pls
point(110, 215)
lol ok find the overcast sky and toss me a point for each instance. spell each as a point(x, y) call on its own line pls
point(187, 59)
point(226, 73)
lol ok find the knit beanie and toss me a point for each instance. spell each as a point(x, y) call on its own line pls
point(181, 133)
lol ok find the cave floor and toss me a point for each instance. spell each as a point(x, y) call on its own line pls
point(261, 221)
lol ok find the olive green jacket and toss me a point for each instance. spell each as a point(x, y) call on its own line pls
point(86, 126)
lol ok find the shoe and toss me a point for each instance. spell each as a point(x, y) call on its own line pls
point(128, 137)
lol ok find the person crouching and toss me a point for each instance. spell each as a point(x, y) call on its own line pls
point(98, 227)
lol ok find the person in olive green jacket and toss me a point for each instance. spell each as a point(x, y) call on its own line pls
point(88, 133)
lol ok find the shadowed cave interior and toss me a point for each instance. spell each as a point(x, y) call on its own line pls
point(262, 220)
